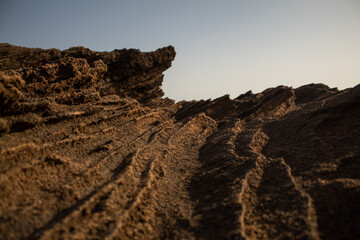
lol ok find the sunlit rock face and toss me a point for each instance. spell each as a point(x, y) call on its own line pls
point(89, 149)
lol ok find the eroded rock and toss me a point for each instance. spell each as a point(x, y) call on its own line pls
point(90, 150)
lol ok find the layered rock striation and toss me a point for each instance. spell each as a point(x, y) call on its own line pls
point(89, 149)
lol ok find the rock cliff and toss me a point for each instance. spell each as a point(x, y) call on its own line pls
point(90, 150)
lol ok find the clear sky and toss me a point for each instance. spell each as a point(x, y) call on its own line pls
point(228, 46)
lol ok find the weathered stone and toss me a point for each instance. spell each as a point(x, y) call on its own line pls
point(90, 150)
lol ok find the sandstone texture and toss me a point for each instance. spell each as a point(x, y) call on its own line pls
point(89, 149)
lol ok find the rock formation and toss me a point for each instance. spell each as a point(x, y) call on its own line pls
point(90, 150)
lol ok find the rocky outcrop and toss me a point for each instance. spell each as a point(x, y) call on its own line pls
point(127, 72)
point(90, 150)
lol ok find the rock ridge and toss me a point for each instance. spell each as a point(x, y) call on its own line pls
point(89, 149)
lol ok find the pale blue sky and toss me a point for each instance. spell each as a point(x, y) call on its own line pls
point(222, 46)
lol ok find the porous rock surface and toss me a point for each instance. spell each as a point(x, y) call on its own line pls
point(90, 150)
